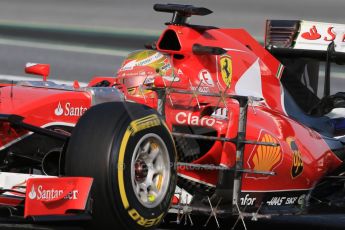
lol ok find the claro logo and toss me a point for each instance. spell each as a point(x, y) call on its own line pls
point(50, 194)
point(188, 118)
point(69, 110)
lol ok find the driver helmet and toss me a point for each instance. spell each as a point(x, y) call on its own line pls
point(141, 67)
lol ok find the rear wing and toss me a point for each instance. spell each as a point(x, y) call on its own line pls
point(296, 38)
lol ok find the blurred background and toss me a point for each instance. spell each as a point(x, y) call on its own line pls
point(82, 38)
point(139, 15)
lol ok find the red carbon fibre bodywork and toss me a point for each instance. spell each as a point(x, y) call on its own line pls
point(300, 161)
point(267, 118)
point(55, 196)
point(318, 159)
point(38, 105)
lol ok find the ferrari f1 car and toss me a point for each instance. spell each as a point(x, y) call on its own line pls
point(242, 129)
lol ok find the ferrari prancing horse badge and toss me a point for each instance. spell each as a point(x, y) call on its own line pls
point(226, 69)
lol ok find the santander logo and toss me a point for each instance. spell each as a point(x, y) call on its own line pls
point(32, 193)
point(328, 34)
point(50, 194)
point(69, 110)
point(312, 34)
point(58, 111)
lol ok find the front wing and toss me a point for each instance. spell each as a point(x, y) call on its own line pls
point(38, 197)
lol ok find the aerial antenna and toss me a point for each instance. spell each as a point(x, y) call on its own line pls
point(11, 89)
point(181, 13)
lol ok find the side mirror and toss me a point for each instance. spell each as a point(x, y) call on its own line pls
point(165, 82)
point(38, 69)
point(159, 82)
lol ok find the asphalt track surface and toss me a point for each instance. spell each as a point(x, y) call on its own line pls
point(70, 63)
point(81, 63)
point(312, 222)
point(139, 15)
point(65, 64)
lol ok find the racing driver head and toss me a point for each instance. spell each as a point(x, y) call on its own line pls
point(140, 68)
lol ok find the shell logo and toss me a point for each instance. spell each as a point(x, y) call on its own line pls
point(265, 158)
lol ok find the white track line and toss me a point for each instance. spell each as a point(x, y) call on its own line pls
point(63, 47)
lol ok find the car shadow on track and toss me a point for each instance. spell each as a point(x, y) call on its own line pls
point(310, 222)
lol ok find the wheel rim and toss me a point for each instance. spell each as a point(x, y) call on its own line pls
point(150, 170)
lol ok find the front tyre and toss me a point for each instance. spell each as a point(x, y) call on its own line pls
point(130, 153)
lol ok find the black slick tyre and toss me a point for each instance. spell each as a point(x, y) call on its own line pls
point(131, 155)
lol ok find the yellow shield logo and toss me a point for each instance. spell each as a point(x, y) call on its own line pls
point(297, 162)
point(226, 69)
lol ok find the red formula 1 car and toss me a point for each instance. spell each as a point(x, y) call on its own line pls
point(241, 128)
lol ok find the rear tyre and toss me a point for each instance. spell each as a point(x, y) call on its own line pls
point(130, 153)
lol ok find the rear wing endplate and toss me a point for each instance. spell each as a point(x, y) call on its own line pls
point(305, 38)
